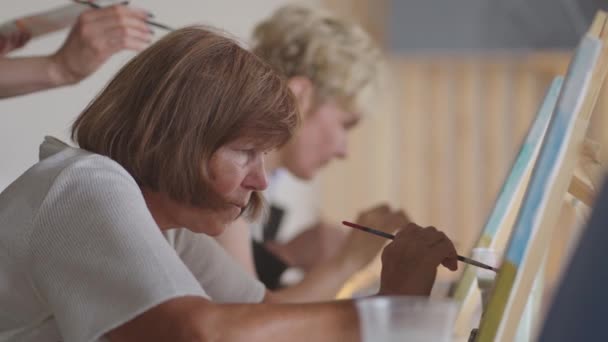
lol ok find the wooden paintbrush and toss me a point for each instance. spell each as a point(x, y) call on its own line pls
point(392, 237)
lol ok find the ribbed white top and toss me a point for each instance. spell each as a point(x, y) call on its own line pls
point(80, 253)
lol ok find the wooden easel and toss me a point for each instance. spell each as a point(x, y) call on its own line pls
point(551, 179)
point(498, 227)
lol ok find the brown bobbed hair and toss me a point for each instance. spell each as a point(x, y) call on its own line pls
point(172, 106)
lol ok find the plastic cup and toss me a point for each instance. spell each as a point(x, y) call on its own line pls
point(411, 319)
point(485, 278)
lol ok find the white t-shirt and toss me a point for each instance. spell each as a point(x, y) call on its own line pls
point(80, 253)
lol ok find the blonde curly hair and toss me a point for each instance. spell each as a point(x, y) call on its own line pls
point(338, 56)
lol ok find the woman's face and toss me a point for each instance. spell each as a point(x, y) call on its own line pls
point(321, 138)
point(235, 171)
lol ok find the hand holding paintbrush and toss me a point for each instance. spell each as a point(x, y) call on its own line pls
point(392, 237)
point(99, 34)
point(359, 249)
point(410, 261)
point(92, 4)
point(94, 37)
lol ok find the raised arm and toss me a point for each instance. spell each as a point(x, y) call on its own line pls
point(96, 36)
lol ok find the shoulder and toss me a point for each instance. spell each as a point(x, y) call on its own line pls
point(89, 191)
point(90, 168)
point(63, 165)
point(91, 177)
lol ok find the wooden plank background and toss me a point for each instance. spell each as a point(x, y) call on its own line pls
point(442, 150)
point(445, 134)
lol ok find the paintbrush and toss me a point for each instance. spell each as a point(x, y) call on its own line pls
point(149, 22)
point(392, 237)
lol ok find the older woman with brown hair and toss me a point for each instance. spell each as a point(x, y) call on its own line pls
point(90, 245)
point(334, 69)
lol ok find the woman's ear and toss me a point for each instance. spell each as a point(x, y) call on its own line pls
point(303, 89)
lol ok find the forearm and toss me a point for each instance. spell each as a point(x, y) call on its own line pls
point(321, 283)
point(197, 319)
point(23, 75)
point(335, 321)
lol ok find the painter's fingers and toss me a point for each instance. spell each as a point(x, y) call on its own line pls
point(399, 220)
point(441, 250)
point(119, 39)
point(438, 239)
point(374, 217)
point(445, 254)
point(100, 26)
point(117, 12)
point(380, 208)
point(22, 39)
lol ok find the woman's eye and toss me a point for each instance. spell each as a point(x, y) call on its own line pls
point(250, 153)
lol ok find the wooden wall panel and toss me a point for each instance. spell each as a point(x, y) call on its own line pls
point(461, 121)
point(468, 158)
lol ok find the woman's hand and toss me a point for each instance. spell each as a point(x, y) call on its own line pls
point(361, 248)
point(322, 242)
point(15, 40)
point(409, 263)
point(97, 35)
point(313, 246)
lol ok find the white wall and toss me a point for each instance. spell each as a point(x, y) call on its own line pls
point(25, 120)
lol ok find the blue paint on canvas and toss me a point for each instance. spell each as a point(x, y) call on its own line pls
point(554, 147)
point(524, 159)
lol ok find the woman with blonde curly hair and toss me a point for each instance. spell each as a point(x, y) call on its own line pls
point(333, 68)
point(110, 241)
